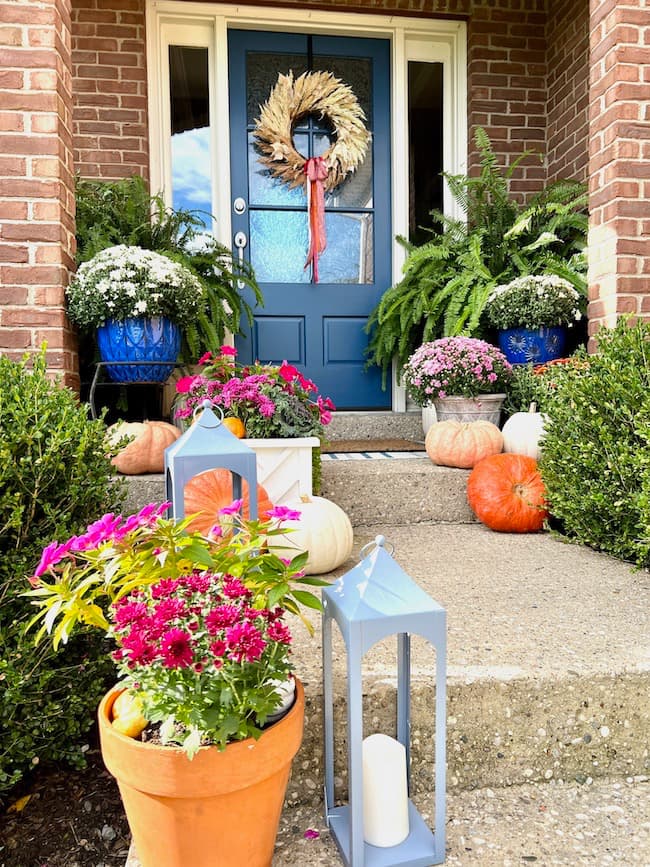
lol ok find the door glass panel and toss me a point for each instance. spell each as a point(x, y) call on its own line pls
point(262, 70)
point(264, 188)
point(279, 246)
point(348, 257)
point(278, 239)
point(190, 126)
point(356, 189)
point(356, 72)
point(425, 146)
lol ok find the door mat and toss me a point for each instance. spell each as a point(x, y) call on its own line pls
point(378, 445)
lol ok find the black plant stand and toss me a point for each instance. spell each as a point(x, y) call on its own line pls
point(100, 381)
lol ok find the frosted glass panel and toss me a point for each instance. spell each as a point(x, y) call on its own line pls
point(349, 254)
point(265, 189)
point(262, 76)
point(279, 246)
point(356, 72)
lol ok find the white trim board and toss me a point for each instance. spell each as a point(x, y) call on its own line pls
point(205, 24)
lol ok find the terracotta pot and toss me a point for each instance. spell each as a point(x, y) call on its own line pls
point(222, 807)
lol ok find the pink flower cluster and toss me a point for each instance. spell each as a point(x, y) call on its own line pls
point(108, 529)
point(270, 400)
point(200, 621)
point(460, 366)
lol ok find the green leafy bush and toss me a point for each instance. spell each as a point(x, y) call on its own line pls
point(596, 451)
point(54, 480)
point(448, 279)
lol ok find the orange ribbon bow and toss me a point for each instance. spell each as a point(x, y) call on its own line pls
point(316, 171)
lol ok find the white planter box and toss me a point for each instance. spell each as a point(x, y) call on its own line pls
point(284, 466)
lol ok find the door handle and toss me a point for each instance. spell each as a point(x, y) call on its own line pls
point(240, 243)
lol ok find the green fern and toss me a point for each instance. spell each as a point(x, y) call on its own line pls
point(446, 281)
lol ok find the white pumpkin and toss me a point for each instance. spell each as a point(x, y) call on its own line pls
point(323, 530)
point(522, 433)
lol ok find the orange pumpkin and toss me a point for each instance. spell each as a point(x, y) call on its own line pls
point(506, 493)
point(235, 426)
point(462, 444)
point(212, 490)
point(145, 453)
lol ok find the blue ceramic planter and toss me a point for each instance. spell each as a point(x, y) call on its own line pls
point(536, 346)
point(139, 340)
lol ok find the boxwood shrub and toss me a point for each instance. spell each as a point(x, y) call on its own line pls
point(54, 480)
point(596, 453)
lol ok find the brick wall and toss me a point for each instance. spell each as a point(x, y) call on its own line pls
point(507, 83)
point(567, 107)
point(36, 181)
point(619, 161)
point(110, 88)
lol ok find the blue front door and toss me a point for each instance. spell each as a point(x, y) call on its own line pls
point(317, 326)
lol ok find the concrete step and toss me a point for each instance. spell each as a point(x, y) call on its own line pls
point(548, 716)
point(408, 490)
point(397, 490)
point(548, 663)
point(562, 824)
point(375, 425)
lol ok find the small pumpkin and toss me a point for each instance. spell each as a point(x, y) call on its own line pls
point(506, 493)
point(146, 451)
point(523, 431)
point(210, 491)
point(235, 426)
point(323, 530)
point(462, 444)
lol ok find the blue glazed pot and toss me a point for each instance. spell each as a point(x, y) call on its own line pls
point(141, 339)
point(532, 345)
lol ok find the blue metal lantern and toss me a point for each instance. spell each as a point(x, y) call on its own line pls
point(372, 601)
point(208, 445)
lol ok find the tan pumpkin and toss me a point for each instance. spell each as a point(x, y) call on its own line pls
point(146, 452)
point(522, 433)
point(323, 530)
point(462, 444)
point(212, 490)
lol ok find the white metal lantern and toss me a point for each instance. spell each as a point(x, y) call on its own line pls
point(372, 601)
point(208, 445)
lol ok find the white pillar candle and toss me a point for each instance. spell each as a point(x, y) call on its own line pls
point(385, 795)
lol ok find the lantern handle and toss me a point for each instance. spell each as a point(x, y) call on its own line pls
point(377, 542)
point(207, 404)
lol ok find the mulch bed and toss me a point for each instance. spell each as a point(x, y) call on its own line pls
point(72, 819)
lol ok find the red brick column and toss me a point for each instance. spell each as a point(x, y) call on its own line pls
point(619, 161)
point(507, 85)
point(36, 181)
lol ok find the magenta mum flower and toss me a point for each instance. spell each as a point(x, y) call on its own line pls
point(176, 649)
point(221, 617)
point(245, 642)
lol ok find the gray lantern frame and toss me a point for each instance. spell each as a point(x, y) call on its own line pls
point(208, 445)
point(374, 600)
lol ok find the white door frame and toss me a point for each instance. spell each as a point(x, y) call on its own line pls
point(204, 24)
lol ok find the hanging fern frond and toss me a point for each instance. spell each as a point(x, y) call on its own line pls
point(446, 281)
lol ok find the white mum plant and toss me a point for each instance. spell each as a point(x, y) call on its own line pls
point(126, 282)
point(534, 301)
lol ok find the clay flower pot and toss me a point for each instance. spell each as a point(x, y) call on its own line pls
point(222, 807)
